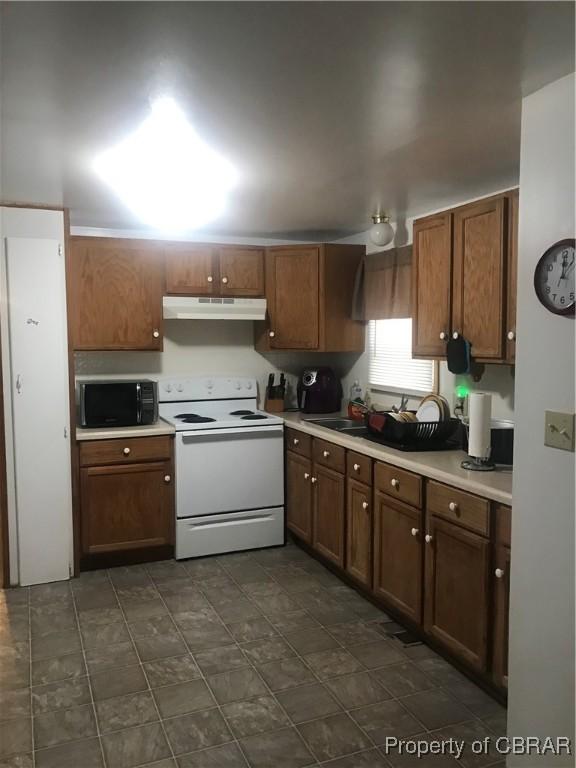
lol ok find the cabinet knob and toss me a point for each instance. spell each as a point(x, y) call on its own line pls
point(443, 335)
point(364, 505)
point(356, 467)
point(499, 573)
point(295, 441)
point(155, 333)
point(225, 280)
point(428, 538)
point(394, 483)
point(453, 507)
point(455, 335)
point(313, 479)
point(210, 278)
point(167, 478)
point(414, 531)
point(271, 334)
point(306, 475)
point(325, 454)
point(126, 451)
point(510, 335)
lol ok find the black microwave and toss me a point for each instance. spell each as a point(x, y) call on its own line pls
point(117, 403)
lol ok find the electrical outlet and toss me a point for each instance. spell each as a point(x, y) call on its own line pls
point(559, 430)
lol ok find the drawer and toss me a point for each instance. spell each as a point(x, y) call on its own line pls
point(503, 517)
point(125, 451)
point(458, 506)
point(329, 455)
point(398, 483)
point(299, 442)
point(359, 467)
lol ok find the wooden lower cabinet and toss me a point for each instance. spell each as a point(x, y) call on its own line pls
point(328, 514)
point(457, 588)
point(359, 532)
point(299, 496)
point(398, 555)
point(501, 613)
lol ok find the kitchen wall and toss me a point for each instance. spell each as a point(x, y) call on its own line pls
point(498, 380)
point(541, 649)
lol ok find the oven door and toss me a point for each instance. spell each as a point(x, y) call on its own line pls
point(229, 470)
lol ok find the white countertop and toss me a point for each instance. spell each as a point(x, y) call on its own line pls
point(161, 427)
point(438, 465)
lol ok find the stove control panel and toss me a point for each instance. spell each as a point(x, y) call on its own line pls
point(205, 388)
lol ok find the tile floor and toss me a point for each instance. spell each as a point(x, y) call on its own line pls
point(261, 659)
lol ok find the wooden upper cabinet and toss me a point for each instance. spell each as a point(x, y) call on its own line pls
point(457, 564)
point(116, 291)
point(328, 514)
point(480, 244)
point(309, 294)
point(432, 285)
point(241, 271)
point(398, 538)
point(359, 532)
point(299, 495)
point(294, 298)
point(512, 276)
point(191, 270)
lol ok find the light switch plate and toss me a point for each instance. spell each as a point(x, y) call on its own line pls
point(559, 430)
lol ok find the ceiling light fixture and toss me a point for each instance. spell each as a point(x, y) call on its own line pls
point(381, 232)
point(166, 174)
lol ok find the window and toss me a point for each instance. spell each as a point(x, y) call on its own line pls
point(392, 368)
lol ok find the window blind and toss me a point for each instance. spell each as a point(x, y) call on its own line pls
point(391, 365)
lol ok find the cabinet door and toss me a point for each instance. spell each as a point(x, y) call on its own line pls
point(478, 276)
point(116, 294)
point(501, 616)
point(432, 285)
point(191, 270)
point(126, 507)
point(512, 279)
point(359, 532)
point(328, 517)
point(456, 589)
point(299, 495)
point(398, 555)
point(293, 298)
point(241, 271)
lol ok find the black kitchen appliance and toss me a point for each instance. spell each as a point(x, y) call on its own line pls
point(117, 403)
point(319, 391)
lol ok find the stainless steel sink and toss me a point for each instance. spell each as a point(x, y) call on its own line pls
point(349, 426)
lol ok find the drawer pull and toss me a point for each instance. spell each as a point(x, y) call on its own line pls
point(443, 335)
point(225, 280)
point(271, 334)
point(394, 483)
point(364, 505)
point(313, 479)
point(126, 451)
point(453, 507)
point(499, 573)
point(306, 475)
point(167, 478)
point(414, 531)
point(356, 467)
point(325, 454)
point(510, 335)
point(296, 441)
point(428, 538)
point(156, 334)
point(210, 278)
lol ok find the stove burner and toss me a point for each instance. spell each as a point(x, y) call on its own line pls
point(241, 413)
point(253, 416)
point(193, 418)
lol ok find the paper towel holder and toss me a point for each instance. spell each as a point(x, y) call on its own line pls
point(482, 462)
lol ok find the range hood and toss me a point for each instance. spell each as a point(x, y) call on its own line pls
point(208, 308)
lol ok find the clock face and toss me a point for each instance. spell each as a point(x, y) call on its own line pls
point(554, 278)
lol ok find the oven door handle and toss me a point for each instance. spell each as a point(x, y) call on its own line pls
point(189, 437)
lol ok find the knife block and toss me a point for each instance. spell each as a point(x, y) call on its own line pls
point(274, 404)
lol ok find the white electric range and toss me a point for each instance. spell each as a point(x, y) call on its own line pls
point(229, 465)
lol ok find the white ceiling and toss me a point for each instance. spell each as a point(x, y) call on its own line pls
point(328, 110)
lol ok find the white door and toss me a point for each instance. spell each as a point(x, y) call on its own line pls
point(39, 372)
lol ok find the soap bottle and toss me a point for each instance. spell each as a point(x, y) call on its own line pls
point(355, 404)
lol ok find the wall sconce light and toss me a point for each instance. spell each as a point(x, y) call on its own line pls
point(381, 232)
